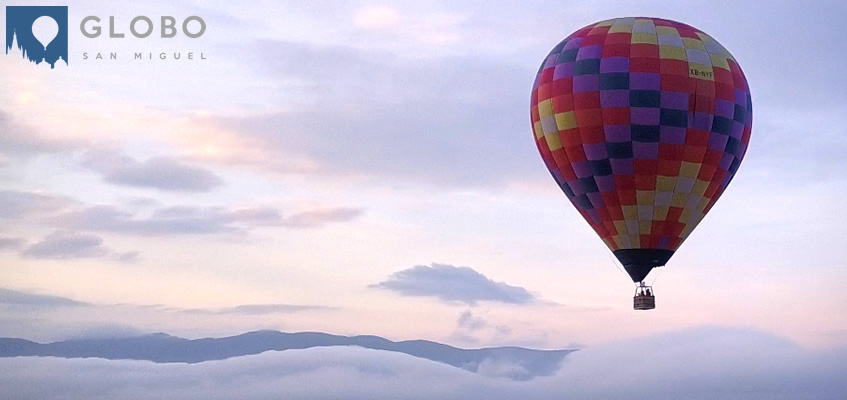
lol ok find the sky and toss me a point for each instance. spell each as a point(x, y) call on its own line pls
point(368, 168)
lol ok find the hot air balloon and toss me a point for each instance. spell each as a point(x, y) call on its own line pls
point(643, 123)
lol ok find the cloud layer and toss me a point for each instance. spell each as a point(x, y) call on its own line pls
point(453, 284)
point(24, 205)
point(385, 116)
point(700, 363)
point(198, 220)
point(258, 309)
point(9, 297)
point(43, 317)
point(66, 214)
point(17, 298)
point(20, 141)
point(11, 243)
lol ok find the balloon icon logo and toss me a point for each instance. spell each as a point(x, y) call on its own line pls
point(38, 34)
point(45, 30)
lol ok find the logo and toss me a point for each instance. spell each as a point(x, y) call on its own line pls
point(40, 34)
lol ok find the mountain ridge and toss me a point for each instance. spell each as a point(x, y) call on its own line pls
point(163, 348)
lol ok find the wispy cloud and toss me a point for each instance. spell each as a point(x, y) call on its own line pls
point(163, 173)
point(11, 297)
point(30, 205)
point(18, 140)
point(66, 244)
point(9, 243)
point(66, 214)
point(315, 218)
point(41, 316)
point(469, 322)
point(169, 221)
point(473, 329)
point(187, 220)
point(128, 257)
point(257, 309)
point(19, 298)
point(413, 121)
point(453, 284)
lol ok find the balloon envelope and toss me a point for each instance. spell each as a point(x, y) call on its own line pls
point(643, 123)
point(45, 29)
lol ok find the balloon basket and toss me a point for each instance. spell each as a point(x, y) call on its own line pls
point(644, 298)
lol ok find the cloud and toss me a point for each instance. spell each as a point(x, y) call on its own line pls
point(10, 297)
point(389, 117)
point(47, 318)
point(67, 244)
point(258, 309)
point(27, 205)
point(64, 213)
point(315, 218)
point(453, 284)
point(472, 330)
point(187, 220)
point(708, 363)
point(359, 98)
point(163, 173)
point(697, 364)
point(128, 257)
point(7, 243)
point(167, 221)
point(468, 328)
point(22, 141)
point(469, 322)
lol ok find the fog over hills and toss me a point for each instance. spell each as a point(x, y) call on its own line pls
point(516, 362)
point(699, 363)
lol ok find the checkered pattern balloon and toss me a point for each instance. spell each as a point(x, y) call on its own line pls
point(643, 123)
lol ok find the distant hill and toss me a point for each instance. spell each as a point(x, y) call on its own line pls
point(162, 348)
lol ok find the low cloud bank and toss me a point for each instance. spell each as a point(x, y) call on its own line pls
point(697, 363)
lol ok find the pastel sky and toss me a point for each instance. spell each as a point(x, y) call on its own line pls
point(368, 168)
